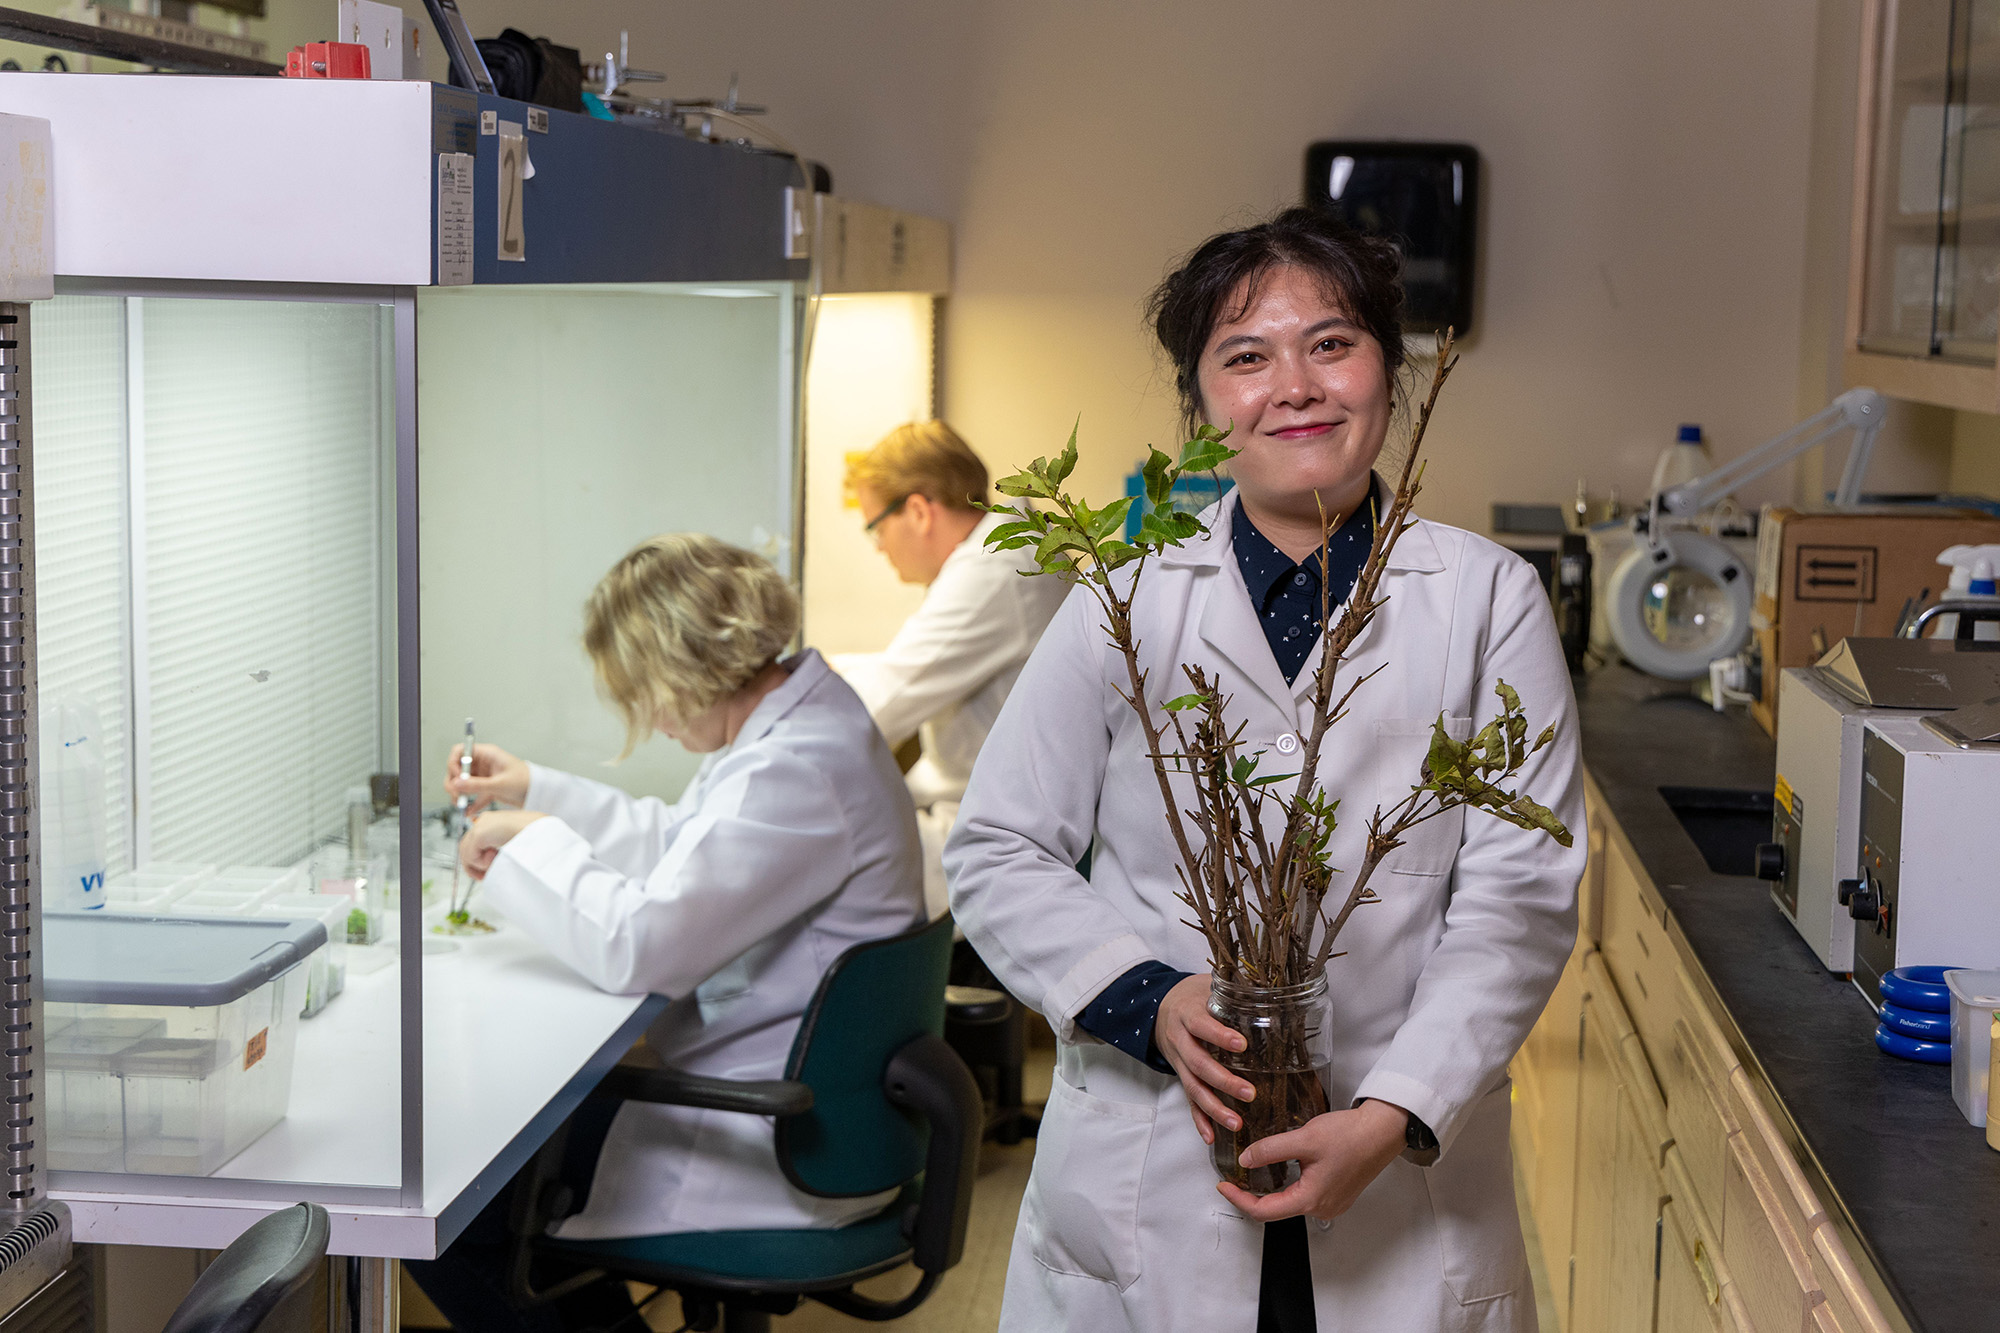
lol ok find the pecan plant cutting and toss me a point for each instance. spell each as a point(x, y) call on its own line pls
point(1253, 845)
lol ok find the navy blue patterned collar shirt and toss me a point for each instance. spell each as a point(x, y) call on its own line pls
point(1286, 593)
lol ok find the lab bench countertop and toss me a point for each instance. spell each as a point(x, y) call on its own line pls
point(1918, 1183)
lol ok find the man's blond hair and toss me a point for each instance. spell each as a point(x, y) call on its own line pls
point(924, 458)
point(680, 624)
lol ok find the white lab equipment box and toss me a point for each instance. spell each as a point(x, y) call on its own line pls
point(1922, 891)
point(1818, 814)
point(171, 1041)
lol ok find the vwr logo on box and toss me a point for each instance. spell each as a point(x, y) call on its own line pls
point(1834, 574)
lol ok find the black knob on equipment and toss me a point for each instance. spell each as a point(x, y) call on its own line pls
point(1846, 889)
point(1863, 905)
point(1770, 860)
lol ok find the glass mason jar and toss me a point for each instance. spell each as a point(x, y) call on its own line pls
point(1287, 1048)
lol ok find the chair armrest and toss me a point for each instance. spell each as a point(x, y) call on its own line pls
point(674, 1087)
point(927, 1076)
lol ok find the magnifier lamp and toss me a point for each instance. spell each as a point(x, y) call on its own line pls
point(1679, 599)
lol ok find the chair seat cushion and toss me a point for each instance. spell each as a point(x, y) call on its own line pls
point(792, 1260)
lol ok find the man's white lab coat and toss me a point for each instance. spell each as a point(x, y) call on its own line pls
point(789, 846)
point(1121, 1227)
point(947, 671)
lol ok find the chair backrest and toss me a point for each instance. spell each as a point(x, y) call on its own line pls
point(876, 998)
point(263, 1282)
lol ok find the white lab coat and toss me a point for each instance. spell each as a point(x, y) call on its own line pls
point(947, 671)
point(789, 846)
point(1122, 1227)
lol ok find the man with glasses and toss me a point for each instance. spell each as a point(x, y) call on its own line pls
point(946, 672)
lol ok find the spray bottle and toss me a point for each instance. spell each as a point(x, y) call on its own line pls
point(1972, 580)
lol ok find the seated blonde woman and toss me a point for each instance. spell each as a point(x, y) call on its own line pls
point(795, 840)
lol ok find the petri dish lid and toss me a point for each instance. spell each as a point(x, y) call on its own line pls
point(113, 958)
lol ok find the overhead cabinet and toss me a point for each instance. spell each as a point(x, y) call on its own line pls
point(1923, 316)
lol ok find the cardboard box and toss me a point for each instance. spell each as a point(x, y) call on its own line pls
point(1848, 573)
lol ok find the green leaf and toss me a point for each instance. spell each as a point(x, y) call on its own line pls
point(1488, 750)
point(1168, 529)
point(1159, 479)
point(1509, 699)
point(1269, 779)
point(1110, 519)
point(1058, 540)
point(1185, 702)
point(1028, 483)
point(1067, 459)
point(1205, 456)
point(1241, 770)
point(1113, 555)
point(1548, 735)
point(1524, 813)
point(1024, 530)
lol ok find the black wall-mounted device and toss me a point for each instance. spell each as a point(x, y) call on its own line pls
point(1423, 196)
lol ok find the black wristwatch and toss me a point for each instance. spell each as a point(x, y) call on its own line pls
point(1419, 1144)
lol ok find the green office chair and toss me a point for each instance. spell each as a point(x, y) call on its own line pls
point(873, 1100)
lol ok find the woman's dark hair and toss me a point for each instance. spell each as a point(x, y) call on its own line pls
point(1364, 273)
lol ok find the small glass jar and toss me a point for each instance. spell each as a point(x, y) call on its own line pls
point(1287, 1049)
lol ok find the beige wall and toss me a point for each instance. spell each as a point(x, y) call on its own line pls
point(1646, 186)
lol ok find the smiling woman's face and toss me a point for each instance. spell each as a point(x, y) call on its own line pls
point(1306, 391)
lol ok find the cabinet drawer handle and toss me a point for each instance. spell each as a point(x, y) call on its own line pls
point(1704, 1268)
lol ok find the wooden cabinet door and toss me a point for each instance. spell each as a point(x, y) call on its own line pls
point(1617, 1189)
point(1545, 1135)
point(1589, 1278)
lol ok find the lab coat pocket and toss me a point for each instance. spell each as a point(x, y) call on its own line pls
point(1401, 744)
point(1081, 1211)
point(1472, 1203)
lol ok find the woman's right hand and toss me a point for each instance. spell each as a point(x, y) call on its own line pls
point(1186, 1032)
point(497, 777)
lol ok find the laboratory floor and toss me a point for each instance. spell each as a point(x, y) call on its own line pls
point(968, 1299)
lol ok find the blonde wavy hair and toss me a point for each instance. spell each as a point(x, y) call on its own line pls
point(680, 624)
point(926, 458)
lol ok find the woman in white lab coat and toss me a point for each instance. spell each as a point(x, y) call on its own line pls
point(945, 674)
point(795, 840)
point(1404, 1215)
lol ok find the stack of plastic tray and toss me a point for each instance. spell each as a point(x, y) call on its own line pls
point(170, 1041)
point(238, 890)
point(153, 887)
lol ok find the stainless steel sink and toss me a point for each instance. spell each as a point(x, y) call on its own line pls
point(1725, 823)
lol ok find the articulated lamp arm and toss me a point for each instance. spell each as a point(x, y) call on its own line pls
point(1859, 410)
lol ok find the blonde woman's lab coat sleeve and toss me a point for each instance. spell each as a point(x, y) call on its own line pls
point(627, 832)
point(766, 845)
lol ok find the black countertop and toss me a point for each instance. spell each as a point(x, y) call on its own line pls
point(1919, 1184)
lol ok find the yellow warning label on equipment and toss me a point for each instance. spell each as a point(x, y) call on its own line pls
point(1783, 793)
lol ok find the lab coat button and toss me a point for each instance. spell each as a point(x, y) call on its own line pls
point(1324, 1224)
point(1288, 743)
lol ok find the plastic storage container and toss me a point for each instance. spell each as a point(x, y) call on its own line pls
point(326, 970)
point(170, 1040)
point(1974, 998)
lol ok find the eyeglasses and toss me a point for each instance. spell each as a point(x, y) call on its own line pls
point(892, 507)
